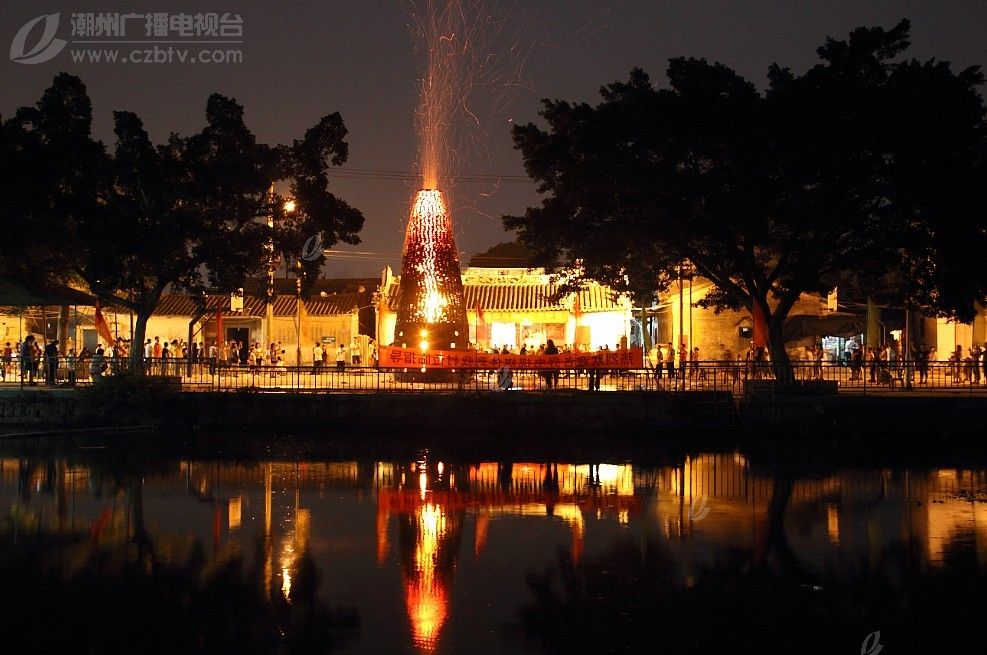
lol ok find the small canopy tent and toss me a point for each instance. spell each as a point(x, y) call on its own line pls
point(18, 294)
point(49, 301)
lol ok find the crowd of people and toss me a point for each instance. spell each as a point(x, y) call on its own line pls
point(675, 367)
point(28, 362)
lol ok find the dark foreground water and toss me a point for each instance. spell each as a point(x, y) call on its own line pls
point(104, 551)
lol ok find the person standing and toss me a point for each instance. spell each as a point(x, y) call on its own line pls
point(70, 363)
point(27, 360)
point(97, 365)
point(552, 374)
point(505, 379)
point(683, 362)
point(213, 356)
point(317, 356)
point(165, 358)
point(355, 357)
point(8, 357)
point(51, 363)
point(341, 358)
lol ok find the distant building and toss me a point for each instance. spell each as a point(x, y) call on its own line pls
point(332, 313)
point(517, 306)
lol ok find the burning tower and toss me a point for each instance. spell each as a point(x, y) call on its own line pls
point(431, 312)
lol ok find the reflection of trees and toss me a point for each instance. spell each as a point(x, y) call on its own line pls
point(74, 592)
point(180, 609)
point(777, 544)
point(621, 601)
point(633, 598)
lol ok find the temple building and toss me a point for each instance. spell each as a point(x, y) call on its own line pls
point(517, 307)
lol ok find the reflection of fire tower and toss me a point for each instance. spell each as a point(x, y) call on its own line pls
point(431, 313)
point(429, 543)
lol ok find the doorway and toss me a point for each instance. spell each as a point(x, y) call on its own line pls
point(242, 337)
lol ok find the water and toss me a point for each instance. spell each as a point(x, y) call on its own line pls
point(107, 551)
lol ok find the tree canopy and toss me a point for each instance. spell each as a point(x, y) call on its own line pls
point(187, 214)
point(866, 169)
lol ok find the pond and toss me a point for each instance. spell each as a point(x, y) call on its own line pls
point(722, 551)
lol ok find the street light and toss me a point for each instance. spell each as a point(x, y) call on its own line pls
point(299, 274)
point(289, 207)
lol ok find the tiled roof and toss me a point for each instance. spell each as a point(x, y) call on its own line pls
point(525, 297)
point(284, 305)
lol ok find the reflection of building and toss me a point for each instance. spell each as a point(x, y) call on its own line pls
point(430, 504)
point(514, 307)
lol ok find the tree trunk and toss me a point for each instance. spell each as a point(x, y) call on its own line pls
point(63, 330)
point(645, 332)
point(137, 342)
point(780, 362)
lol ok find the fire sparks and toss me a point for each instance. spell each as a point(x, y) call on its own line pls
point(473, 58)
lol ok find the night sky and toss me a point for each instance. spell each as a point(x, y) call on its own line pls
point(302, 60)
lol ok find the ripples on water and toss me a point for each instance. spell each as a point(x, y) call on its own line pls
point(708, 553)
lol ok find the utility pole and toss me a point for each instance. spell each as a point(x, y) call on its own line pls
point(299, 272)
point(906, 338)
point(269, 309)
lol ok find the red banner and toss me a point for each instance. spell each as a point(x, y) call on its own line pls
point(394, 357)
point(102, 327)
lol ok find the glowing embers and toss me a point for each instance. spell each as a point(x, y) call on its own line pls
point(429, 234)
point(431, 286)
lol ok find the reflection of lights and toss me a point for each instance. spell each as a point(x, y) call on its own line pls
point(423, 483)
point(234, 512)
point(286, 584)
point(425, 593)
point(833, 523)
point(288, 559)
point(607, 473)
point(440, 468)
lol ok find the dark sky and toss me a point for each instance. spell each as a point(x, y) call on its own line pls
point(302, 60)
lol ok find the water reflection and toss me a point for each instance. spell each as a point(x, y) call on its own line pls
point(368, 556)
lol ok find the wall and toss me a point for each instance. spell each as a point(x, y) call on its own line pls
point(711, 331)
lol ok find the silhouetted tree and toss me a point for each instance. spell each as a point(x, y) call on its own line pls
point(862, 166)
point(183, 215)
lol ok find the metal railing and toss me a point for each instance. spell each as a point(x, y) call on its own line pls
point(705, 375)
